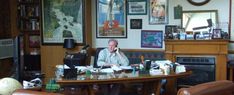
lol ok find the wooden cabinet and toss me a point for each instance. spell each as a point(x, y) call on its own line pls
point(216, 48)
point(29, 13)
point(31, 66)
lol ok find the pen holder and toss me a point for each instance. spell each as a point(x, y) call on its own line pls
point(147, 65)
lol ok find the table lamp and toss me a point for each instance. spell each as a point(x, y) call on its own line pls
point(69, 43)
point(72, 72)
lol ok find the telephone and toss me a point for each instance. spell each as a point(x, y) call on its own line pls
point(116, 49)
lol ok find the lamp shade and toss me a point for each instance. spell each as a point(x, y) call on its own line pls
point(69, 43)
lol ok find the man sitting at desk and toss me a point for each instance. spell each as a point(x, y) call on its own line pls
point(112, 55)
point(109, 57)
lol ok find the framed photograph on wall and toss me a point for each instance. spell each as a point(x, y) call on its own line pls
point(135, 23)
point(137, 7)
point(34, 41)
point(169, 31)
point(158, 12)
point(217, 34)
point(62, 20)
point(151, 38)
point(111, 19)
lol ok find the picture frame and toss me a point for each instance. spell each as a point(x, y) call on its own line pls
point(135, 23)
point(151, 38)
point(158, 11)
point(34, 41)
point(62, 21)
point(111, 20)
point(178, 12)
point(170, 31)
point(216, 34)
point(137, 7)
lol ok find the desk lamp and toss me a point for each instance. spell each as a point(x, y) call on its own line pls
point(209, 21)
point(69, 43)
point(209, 26)
point(72, 72)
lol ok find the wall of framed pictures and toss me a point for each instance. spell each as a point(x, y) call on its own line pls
point(134, 34)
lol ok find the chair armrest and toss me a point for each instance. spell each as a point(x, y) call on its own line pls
point(31, 92)
point(222, 87)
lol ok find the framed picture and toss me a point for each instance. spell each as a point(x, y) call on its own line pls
point(111, 19)
point(178, 12)
point(61, 20)
point(216, 34)
point(169, 31)
point(151, 38)
point(137, 7)
point(34, 41)
point(136, 23)
point(158, 12)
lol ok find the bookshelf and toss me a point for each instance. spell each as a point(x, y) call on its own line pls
point(29, 22)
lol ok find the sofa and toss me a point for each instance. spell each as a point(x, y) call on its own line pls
point(221, 87)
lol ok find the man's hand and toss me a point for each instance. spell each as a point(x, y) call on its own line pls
point(117, 50)
point(111, 64)
point(115, 65)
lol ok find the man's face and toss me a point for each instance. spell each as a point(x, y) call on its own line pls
point(111, 46)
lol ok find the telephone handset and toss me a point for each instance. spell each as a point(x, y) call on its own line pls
point(116, 49)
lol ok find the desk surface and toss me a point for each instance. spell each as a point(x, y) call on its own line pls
point(146, 79)
point(141, 77)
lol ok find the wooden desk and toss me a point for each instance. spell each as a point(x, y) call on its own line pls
point(146, 79)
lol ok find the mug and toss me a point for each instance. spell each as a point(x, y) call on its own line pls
point(147, 64)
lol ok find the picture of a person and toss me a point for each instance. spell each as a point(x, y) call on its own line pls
point(157, 11)
point(217, 34)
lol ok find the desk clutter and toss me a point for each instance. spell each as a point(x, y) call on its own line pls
point(161, 67)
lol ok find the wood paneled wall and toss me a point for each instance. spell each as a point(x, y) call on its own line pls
point(53, 55)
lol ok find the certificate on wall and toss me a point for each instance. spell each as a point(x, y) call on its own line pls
point(137, 7)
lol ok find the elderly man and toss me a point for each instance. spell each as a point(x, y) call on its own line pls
point(111, 56)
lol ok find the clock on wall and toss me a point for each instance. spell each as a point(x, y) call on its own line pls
point(198, 2)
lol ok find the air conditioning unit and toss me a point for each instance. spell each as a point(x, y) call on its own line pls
point(6, 48)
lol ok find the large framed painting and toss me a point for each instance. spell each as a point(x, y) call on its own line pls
point(151, 38)
point(111, 19)
point(61, 20)
point(158, 12)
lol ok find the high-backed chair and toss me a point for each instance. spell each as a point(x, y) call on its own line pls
point(96, 57)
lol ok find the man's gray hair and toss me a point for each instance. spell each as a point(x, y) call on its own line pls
point(113, 40)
